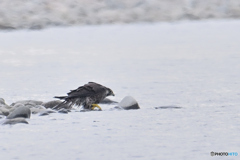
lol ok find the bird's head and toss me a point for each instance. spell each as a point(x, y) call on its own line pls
point(110, 92)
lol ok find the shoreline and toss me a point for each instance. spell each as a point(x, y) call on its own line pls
point(43, 14)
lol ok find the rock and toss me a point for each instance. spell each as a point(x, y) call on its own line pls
point(7, 107)
point(4, 111)
point(36, 110)
point(50, 111)
point(23, 112)
point(17, 105)
point(168, 107)
point(14, 121)
point(43, 114)
point(65, 111)
point(46, 112)
point(2, 101)
point(39, 107)
point(52, 104)
point(128, 102)
point(30, 102)
point(3, 104)
point(108, 101)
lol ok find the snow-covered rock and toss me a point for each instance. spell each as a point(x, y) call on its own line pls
point(128, 102)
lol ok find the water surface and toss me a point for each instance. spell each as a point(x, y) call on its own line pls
point(193, 65)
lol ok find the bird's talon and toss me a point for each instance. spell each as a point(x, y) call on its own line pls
point(96, 105)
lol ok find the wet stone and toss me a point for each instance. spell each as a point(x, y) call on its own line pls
point(46, 112)
point(43, 114)
point(26, 102)
point(39, 107)
point(2, 101)
point(65, 111)
point(36, 110)
point(4, 111)
point(14, 121)
point(23, 112)
point(16, 105)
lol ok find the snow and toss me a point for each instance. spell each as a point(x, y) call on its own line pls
point(127, 102)
point(194, 65)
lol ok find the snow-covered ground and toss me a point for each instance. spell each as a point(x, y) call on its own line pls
point(193, 65)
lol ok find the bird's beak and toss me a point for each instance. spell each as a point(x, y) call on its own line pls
point(113, 94)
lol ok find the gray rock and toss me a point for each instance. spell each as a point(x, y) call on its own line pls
point(7, 106)
point(3, 104)
point(17, 105)
point(50, 111)
point(30, 102)
point(2, 101)
point(46, 112)
point(43, 114)
point(39, 107)
point(65, 111)
point(23, 112)
point(36, 110)
point(128, 102)
point(4, 111)
point(14, 121)
point(30, 105)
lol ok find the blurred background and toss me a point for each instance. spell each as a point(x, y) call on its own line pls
point(37, 14)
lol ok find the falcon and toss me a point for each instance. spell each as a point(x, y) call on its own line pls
point(87, 96)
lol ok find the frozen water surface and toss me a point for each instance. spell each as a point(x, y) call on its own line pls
point(193, 65)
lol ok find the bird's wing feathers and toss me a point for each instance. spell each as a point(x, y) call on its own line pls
point(85, 90)
point(92, 92)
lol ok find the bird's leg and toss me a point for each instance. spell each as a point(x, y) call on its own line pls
point(95, 105)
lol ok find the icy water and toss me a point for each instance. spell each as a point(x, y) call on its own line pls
point(192, 65)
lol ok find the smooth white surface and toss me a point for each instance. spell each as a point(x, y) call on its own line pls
point(194, 65)
point(127, 101)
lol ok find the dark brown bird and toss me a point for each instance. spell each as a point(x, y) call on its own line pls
point(88, 96)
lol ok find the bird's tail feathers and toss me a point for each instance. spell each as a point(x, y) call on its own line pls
point(64, 105)
point(60, 97)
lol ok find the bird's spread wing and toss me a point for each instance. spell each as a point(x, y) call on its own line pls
point(85, 90)
point(85, 95)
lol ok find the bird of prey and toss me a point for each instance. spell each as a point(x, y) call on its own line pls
point(88, 96)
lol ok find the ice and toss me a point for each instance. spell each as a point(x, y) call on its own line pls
point(127, 101)
point(194, 65)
